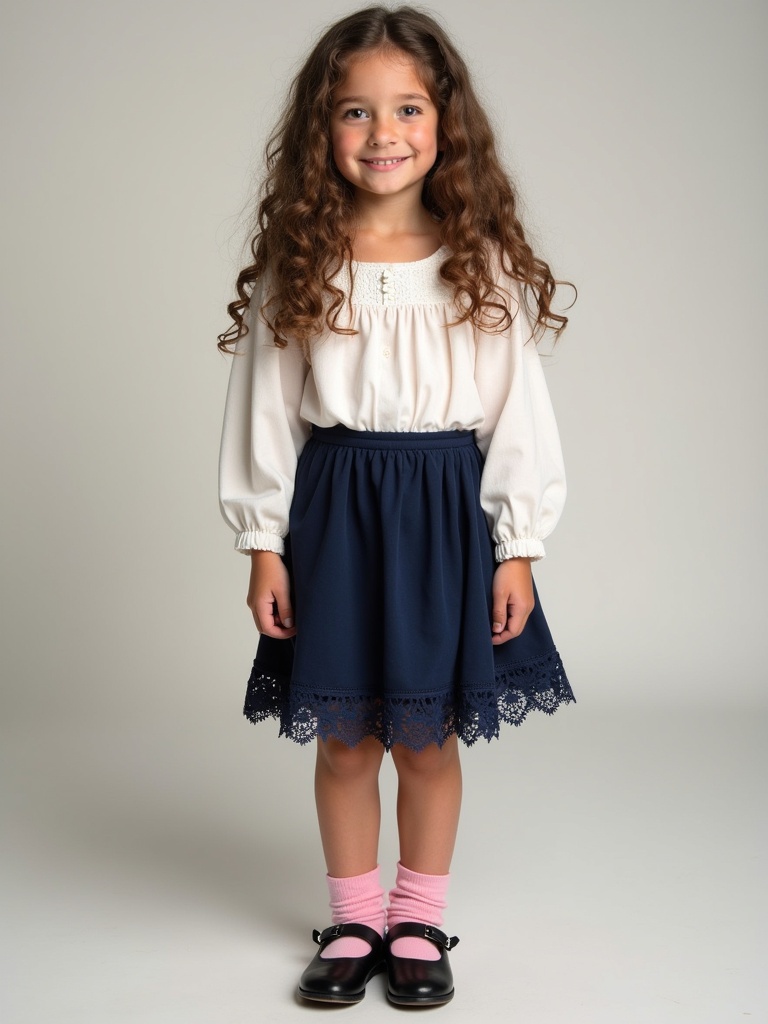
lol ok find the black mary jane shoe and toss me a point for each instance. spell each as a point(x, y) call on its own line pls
point(419, 982)
point(342, 979)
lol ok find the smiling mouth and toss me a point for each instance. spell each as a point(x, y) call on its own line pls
point(386, 163)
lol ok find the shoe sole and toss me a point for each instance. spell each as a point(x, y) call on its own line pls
point(420, 1000)
point(313, 997)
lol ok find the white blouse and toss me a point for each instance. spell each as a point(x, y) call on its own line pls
point(404, 371)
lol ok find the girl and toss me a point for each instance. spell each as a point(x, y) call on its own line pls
point(391, 463)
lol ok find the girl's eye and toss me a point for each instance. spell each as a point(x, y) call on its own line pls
point(352, 113)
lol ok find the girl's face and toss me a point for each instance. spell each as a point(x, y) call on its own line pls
point(384, 126)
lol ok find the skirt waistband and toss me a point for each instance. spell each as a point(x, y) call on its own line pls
point(342, 434)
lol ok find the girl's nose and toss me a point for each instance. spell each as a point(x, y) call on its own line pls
point(382, 133)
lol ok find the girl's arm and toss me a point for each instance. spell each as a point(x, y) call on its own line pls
point(522, 489)
point(262, 434)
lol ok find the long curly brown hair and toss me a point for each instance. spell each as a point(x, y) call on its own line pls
point(305, 224)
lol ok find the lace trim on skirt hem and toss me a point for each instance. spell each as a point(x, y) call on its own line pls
point(415, 721)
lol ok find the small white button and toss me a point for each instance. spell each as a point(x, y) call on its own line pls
point(387, 353)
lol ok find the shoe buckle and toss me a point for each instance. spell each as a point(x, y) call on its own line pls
point(331, 932)
point(440, 937)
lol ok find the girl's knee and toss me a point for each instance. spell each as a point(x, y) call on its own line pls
point(430, 761)
point(350, 762)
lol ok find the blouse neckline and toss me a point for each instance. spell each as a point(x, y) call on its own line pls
point(415, 282)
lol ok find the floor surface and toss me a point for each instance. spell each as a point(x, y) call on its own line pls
point(610, 870)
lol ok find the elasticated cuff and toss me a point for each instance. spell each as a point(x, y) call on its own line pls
point(522, 547)
point(259, 540)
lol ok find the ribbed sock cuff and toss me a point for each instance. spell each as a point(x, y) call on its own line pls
point(355, 899)
point(421, 898)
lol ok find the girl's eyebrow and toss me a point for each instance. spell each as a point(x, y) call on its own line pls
point(402, 96)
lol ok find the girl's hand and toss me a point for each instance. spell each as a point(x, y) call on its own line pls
point(512, 599)
point(269, 586)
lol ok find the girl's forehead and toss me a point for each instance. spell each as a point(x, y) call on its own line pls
point(382, 69)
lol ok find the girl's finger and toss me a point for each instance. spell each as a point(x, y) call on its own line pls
point(514, 623)
point(276, 626)
point(500, 614)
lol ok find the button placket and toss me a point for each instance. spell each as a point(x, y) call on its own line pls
point(386, 293)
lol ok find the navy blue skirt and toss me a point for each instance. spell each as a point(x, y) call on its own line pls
point(391, 564)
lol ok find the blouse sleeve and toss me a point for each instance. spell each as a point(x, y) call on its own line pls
point(262, 435)
point(522, 487)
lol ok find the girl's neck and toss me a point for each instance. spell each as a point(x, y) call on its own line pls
point(394, 235)
point(397, 249)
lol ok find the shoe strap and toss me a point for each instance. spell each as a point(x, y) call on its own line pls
point(358, 931)
point(412, 929)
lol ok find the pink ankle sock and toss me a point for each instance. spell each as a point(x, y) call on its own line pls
point(420, 898)
point(357, 899)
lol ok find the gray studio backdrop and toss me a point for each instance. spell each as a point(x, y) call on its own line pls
point(161, 853)
point(133, 137)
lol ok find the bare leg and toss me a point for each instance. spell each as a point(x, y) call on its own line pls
point(428, 805)
point(349, 805)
